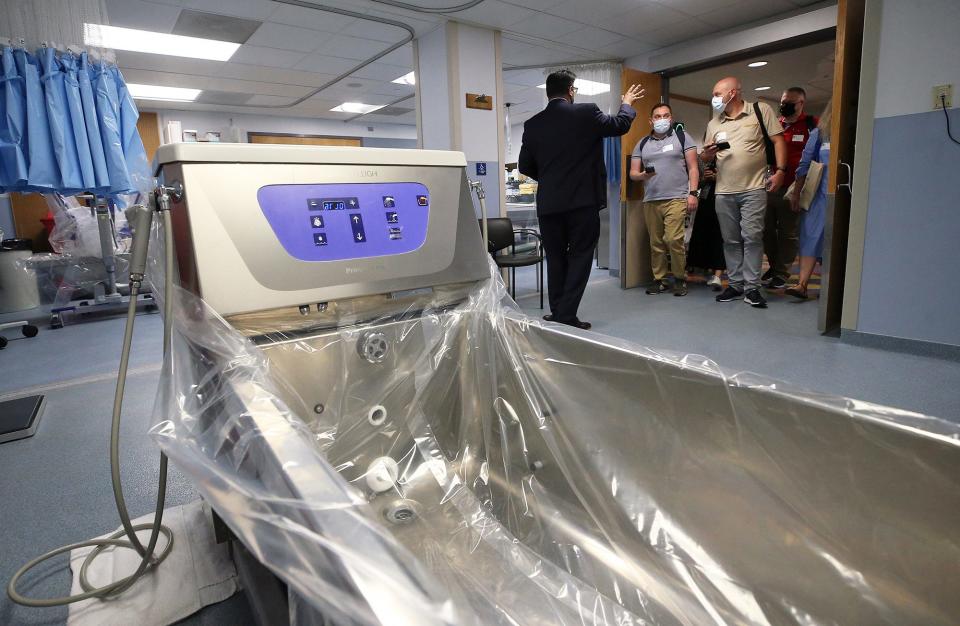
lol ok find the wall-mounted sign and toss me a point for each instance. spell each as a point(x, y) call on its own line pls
point(479, 101)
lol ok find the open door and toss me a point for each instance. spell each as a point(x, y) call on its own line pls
point(635, 267)
point(846, 84)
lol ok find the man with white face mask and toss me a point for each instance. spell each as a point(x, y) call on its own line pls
point(666, 162)
point(736, 140)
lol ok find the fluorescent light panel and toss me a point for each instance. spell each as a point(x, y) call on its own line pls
point(586, 87)
point(357, 107)
point(158, 92)
point(764, 88)
point(757, 64)
point(406, 79)
point(117, 38)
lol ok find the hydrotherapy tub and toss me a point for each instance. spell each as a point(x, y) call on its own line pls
point(382, 429)
point(551, 476)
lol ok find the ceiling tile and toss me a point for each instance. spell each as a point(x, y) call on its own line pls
point(402, 56)
point(643, 18)
point(352, 47)
point(381, 71)
point(495, 13)
point(593, 38)
point(699, 7)
point(250, 9)
point(286, 37)
point(591, 12)
point(543, 25)
point(374, 30)
point(627, 48)
point(670, 34)
point(264, 99)
point(326, 64)
point(270, 57)
point(314, 19)
point(158, 18)
point(537, 5)
point(170, 79)
point(212, 26)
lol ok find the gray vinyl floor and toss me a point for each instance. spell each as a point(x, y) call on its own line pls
point(55, 487)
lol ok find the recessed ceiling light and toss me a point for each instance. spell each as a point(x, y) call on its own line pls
point(406, 79)
point(764, 88)
point(158, 92)
point(757, 64)
point(135, 40)
point(586, 87)
point(357, 107)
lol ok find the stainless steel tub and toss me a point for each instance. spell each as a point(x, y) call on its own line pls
point(550, 476)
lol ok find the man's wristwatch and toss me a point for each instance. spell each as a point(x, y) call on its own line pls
point(695, 193)
point(782, 169)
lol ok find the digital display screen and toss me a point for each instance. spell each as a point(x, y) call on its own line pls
point(339, 221)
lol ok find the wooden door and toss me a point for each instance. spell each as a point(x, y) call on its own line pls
point(29, 209)
point(846, 84)
point(149, 128)
point(635, 267)
point(304, 140)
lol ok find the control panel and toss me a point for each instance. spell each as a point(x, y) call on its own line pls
point(342, 221)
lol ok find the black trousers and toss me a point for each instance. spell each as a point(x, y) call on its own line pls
point(569, 239)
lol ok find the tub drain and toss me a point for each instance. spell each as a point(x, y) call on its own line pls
point(402, 512)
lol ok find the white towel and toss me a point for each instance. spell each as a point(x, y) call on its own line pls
point(197, 572)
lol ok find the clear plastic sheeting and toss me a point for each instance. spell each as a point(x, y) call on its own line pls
point(456, 462)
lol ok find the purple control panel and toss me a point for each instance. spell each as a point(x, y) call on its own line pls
point(342, 221)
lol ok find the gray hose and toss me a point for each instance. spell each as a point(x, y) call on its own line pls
point(420, 9)
point(148, 558)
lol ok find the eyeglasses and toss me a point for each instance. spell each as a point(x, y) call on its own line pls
point(576, 89)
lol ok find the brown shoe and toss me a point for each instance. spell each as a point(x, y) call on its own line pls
point(797, 292)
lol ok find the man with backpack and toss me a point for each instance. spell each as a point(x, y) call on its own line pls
point(737, 141)
point(781, 231)
point(666, 161)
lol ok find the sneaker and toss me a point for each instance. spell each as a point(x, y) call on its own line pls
point(658, 286)
point(715, 282)
point(680, 288)
point(754, 299)
point(776, 283)
point(766, 276)
point(729, 295)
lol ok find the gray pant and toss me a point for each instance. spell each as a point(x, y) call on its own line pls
point(741, 224)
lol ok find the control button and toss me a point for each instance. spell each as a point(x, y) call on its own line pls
point(353, 203)
point(392, 217)
point(396, 233)
point(356, 225)
point(315, 204)
point(319, 239)
point(422, 200)
point(316, 221)
point(389, 202)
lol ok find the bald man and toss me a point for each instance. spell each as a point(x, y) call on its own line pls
point(743, 180)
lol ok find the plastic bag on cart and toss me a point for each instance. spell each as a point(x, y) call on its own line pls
point(457, 462)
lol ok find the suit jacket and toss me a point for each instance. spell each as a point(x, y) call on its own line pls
point(563, 151)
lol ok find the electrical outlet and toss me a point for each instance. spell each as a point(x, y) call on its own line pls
point(947, 92)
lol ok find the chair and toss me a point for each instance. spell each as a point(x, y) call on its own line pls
point(526, 249)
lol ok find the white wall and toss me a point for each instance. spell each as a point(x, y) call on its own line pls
point(477, 74)
point(918, 49)
point(433, 90)
point(218, 121)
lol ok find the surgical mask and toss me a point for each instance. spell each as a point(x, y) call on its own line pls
point(787, 109)
point(661, 126)
point(718, 104)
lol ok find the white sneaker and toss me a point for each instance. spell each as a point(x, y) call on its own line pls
point(715, 282)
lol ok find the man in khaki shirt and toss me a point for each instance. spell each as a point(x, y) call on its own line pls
point(742, 184)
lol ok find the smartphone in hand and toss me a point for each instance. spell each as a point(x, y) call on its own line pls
point(649, 169)
point(723, 145)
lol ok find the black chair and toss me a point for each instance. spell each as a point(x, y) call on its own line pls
point(526, 249)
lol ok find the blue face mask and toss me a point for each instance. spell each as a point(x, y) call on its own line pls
point(718, 104)
point(661, 126)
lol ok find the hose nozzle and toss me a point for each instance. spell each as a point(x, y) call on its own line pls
point(140, 217)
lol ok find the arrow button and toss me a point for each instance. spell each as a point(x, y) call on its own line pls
point(356, 224)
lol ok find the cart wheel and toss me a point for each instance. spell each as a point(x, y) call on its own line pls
point(29, 330)
point(3, 343)
point(56, 322)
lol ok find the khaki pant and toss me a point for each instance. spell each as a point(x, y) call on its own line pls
point(665, 224)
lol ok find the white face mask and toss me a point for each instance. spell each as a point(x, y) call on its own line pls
point(661, 126)
point(718, 104)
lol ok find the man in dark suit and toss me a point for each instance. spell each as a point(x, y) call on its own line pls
point(563, 151)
